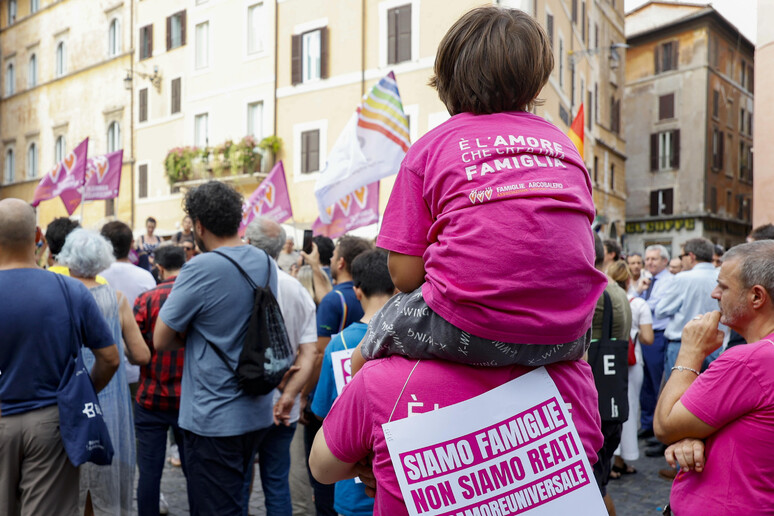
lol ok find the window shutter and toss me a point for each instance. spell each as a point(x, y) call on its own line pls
point(666, 106)
point(668, 197)
point(150, 40)
point(169, 32)
point(675, 54)
point(324, 42)
point(143, 115)
point(550, 29)
point(295, 59)
point(713, 200)
point(404, 33)
point(675, 149)
point(575, 11)
point(654, 203)
point(314, 150)
point(175, 95)
point(182, 27)
point(583, 21)
point(656, 62)
point(143, 182)
point(654, 152)
point(392, 36)
point(721, 154)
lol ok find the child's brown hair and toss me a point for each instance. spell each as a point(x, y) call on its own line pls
point(491, 60)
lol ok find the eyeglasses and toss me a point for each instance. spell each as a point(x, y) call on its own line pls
point(684, 255)
point(188, 248)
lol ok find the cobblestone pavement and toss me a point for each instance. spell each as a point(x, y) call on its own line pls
point(644, 493)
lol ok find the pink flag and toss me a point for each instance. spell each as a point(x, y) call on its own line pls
point(355, 210)
point(269, 200)
point(103, 176)
point(64, 179)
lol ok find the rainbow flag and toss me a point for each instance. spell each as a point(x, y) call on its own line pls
point(371, 147)
point(576, 131)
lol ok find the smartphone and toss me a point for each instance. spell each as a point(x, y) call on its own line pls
point(307, 247)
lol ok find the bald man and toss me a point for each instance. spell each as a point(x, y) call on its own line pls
point(36, 476)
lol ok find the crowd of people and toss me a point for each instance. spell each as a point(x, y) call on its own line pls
point(459, 295)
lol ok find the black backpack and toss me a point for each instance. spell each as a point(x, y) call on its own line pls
point(266, 352)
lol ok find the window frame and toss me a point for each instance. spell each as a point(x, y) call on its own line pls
point(298, 130)
point(197, 117)
point(661, 197)
point(250, 119)
point(180, 16)
point(394, 26)
point(10, 78)
point(113, 141)
point(60, 59)
point(198, 66)
point(146, 42)
point(9, 172)
point(32, 70)
point(249, 50)
point(172, 88)
point(142, 105)
point(33, 160)
point(114, 37)
point(60, 151)
point(34, 6)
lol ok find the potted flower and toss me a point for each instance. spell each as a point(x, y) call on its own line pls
point(220, 160)
point(271, 145)
point(178, 164)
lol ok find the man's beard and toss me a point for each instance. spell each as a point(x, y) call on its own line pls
point(731, 312)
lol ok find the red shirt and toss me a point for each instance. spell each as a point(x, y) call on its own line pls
point(159, 387)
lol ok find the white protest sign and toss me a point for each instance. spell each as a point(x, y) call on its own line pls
point(512, 450)
point(342, 368)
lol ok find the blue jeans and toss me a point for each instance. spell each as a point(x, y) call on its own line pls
point(670, 358)
point(151, 427)
point(653, 356)
point(274, 462)
point(217, 468)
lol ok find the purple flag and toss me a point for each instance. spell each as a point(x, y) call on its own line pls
point(269, 200)
point(355, 210)
point(103, 176)
point(65, 179)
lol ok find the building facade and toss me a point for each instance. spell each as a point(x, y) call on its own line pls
point(688, 124)
point(763, 157)
point(63, 63)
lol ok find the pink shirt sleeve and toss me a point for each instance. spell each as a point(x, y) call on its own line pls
point(348, 426)
point(407, 218)
point(724, 392)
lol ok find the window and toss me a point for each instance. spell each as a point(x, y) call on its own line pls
point(10, 79)
point(583, 21)
point(713, 203)
point(612, 176)
point(175, 93)
point(255, 28)
point(32, 160)
point(176, 30)
point(661, 202)
point(561, 62)
point(728, 201)
point(202, 45)
point(714, 51)
point(142, 190)
point(10, 164)
point(142, 115)
point(59, 149)
point(255, 120)
point(589, 109)
point(666, 106)
point(615, 115)
point(665, 57)
point(399, 34)
point(575, 11)
point(550, 28)
point(750, 124)
point(596, 102)
point(715, 103)
point(750, 79)
point(665, 150)
point(310, 151)
point(110, 207)
point(11, 11)
point(729, 167)
point(309, 56)
point(113, 137)
point(743, 73)
point(114, 38)
point(60, 59)
point(201, 136)
point(596, 170)
point(146, 42)
point(717, 149)
point(32, 71)
point(34, 6)
point(596, 36)
point(742, 120)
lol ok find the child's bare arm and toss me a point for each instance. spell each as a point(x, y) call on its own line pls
point(407, 272)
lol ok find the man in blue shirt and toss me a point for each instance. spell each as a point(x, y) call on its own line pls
point(210, 304)
point(689, 295)
point(337, 310)
point(652, 289)
point(36, 344)
point(373, 287)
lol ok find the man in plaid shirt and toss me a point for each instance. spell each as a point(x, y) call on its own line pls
point(158, 396)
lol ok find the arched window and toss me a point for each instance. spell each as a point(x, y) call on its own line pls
point(32, 160)
point(32, 71)
point(10, 164)
point(10, 79)
point(34, 6)
point(59, 149)
point(113, 137)
point(114, 38)
point(61, 56)
point(11, 11)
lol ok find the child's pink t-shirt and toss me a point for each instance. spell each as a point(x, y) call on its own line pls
point(736, 396)
point(353, 427)
point(500, 207)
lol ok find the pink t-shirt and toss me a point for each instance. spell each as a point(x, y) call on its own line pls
point(736, 396)
point(500, 208)
point(353, 426)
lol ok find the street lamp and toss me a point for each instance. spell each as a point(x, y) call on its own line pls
point(154, 78)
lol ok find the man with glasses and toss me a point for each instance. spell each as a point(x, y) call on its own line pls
point(190, 250)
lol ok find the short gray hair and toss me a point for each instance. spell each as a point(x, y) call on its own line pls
point(661, 250)
point(266, 234)
point(702, 248)
point(757, 264)
point(86, 253)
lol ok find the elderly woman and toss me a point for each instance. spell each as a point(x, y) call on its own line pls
point(108, 489)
